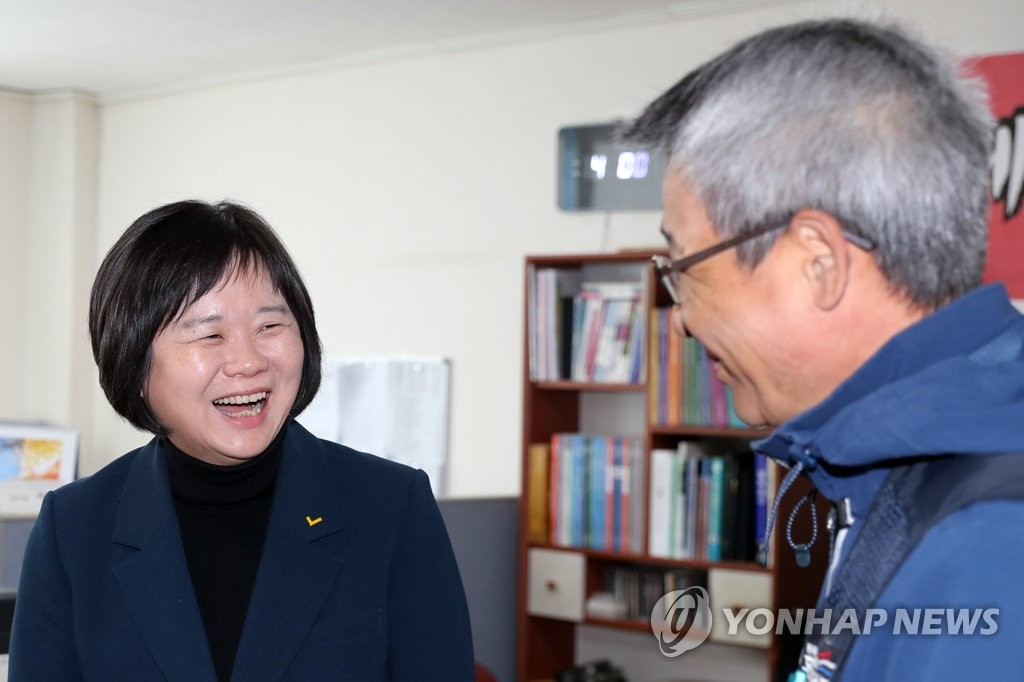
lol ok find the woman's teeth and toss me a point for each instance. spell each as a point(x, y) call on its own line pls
point(256, 409)
point(241, 399)
point(256, 400)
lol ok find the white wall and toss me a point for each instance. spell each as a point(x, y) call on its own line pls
point(410, 191)
point(61, 260)
point(15, 154)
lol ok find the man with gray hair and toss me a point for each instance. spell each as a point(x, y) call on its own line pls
point(825, 208)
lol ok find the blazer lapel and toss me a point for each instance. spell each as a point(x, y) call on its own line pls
point(153, 575)
point(295, 576)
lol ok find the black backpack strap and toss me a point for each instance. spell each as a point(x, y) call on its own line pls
point(912, 499)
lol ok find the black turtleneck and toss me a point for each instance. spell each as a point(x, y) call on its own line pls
point(223, 512)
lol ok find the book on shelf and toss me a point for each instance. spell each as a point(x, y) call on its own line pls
point(662, 356)
point(636, 591)
point(674, 371)
point(607, 333)
point(653, 380)
point(549, 316)
point(740, 473)
point(599, 477)
point(760, 497)
point(614, 531)
point(683, 388)
point(716, 487)
point(702, 506)
point(661, 482)
point(765, 484)
point(593, 501)
point(538, 459)
point(585, 331)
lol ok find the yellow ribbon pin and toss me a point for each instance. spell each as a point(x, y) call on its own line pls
point(313, 522)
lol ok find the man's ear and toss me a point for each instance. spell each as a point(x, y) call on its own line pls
point(823, 255)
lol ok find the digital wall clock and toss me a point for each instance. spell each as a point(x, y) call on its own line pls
point(596, 172)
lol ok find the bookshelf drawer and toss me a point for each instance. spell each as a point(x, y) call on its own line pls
point(557, 584)
point(738, 590)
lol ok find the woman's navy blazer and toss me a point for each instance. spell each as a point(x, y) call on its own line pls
point(357, 580)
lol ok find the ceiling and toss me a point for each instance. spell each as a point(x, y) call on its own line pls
point(111, 47)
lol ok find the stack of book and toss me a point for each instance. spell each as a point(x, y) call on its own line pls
point(683, 388)
point(607, 333)
point(549, 308)
point(639, 590)
point(585, 331)
point(707, 507)
point(595, 492)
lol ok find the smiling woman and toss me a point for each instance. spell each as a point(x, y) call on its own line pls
point(173, 275)
point(224, 375)
point(235, 545)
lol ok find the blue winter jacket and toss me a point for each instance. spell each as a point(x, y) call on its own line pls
point(951, 383)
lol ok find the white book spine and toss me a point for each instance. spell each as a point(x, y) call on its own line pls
point(660, 502)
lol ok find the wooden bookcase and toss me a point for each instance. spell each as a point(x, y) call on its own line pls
point(547, 645)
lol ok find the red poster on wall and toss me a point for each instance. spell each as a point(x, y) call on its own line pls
point(1005, 76)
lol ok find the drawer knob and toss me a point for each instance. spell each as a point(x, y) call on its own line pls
point(551, 586)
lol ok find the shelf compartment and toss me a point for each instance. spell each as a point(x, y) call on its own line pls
point(710, 431)
point(596, 386)
point(696, 564)
point(636, 625)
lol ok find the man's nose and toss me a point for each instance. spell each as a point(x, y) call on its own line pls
point(677, 322)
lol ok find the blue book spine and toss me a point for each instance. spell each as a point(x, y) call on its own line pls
point(579, 492)
point(595, 528)
point(760, 496)
point(617, 497)
point(715, 509)
point(734, 419)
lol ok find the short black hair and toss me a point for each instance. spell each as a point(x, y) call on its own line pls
point(166, 260)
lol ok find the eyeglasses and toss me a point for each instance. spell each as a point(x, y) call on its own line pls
point(669, 270)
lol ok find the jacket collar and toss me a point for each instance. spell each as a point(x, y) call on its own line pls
point(294, 579)
point(297, 572)
point(882, 411)
point(152, 573)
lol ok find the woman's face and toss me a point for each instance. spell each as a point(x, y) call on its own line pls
point(225, 374)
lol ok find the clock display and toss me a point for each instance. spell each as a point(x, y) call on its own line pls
point(596, 172)
point(629, 165)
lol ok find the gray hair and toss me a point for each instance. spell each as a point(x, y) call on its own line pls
point(856, 119)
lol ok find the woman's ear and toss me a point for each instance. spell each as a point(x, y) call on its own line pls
point(824, 259)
